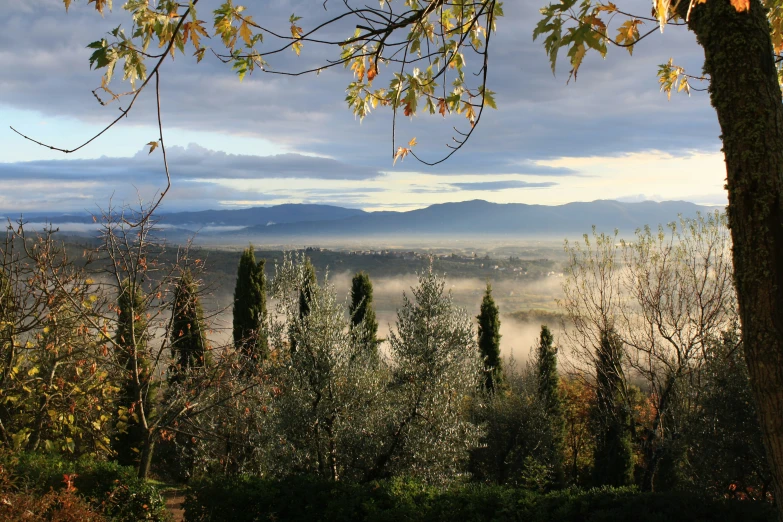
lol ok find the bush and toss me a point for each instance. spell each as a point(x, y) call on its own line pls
point(55, 506)
point(111, 489)
point(249, 499)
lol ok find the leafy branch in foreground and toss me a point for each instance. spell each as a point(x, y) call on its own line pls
point(422, 44)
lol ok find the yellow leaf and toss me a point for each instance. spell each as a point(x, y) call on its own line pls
point(412, 143)
point(245, 33)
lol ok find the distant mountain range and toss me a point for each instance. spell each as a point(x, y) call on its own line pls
point(468, 218)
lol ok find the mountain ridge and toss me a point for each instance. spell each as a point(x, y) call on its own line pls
point(441, 219)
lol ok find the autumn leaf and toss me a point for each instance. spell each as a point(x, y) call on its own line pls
point(372, 72)
point(741, 5)
point(400, 154)
point(246, 34)
point(412, 143)
point(442, 107)
point(99, 4)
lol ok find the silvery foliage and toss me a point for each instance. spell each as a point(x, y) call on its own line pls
point(328, 407)
point(436, 375)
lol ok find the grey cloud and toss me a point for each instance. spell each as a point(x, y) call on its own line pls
point(502, 185)
point(339, 191)
point(193, 162)
point(615, 106)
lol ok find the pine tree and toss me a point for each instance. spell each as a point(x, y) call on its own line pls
point(489, 341)
point(611, 417)
point(551, 399)
point(188, 339)
point(363, 314)
point(250, 308)
point(131, 339)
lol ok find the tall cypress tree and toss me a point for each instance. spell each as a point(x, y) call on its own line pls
point(362, 312)
point(132, 354)
point(613, 464)
point(308, 287)
point(250, 308)
point(489, 341)
point(309, 283)
point(551, 399)
point(188, 339)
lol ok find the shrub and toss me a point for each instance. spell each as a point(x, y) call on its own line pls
point(248, 499)
point(111, 489)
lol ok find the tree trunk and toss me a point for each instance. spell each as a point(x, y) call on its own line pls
point(745, 92)
point(146, 454)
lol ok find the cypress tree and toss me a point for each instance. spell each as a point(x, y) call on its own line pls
point(188, 339)
point(551, 399)
point(250, 308)
point(362, 312)
point(309, 284)
point(613, 464)
point(131, 339)
point(489, 341)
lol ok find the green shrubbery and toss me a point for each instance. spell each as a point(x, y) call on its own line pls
point(111, 489)
point(247, 499)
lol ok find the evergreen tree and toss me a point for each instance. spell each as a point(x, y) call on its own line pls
point(611, 417)
point(188, 339)
point(362, 312)
point(309, 282)
point(308, 285)
point(133, 356)
point(489, 341)
point(250, 307)
point(551, 399)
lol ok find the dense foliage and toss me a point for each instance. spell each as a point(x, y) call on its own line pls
point(407, 425)
point(106, 488)
point(247, 499)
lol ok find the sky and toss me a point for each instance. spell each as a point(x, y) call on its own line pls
point(272, 139)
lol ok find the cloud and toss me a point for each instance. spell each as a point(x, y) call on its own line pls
point(615, 106)
point(716, 200)
point(193, 162)
point(502, 185)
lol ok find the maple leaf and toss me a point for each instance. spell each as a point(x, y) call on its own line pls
point(442, 107)
point(99, 5)
point(196, 32)
point(400, 154)
point(246, 34)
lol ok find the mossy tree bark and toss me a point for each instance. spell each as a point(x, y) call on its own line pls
point(745, 92)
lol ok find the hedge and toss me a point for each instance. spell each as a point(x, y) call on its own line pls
point(251, 499)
